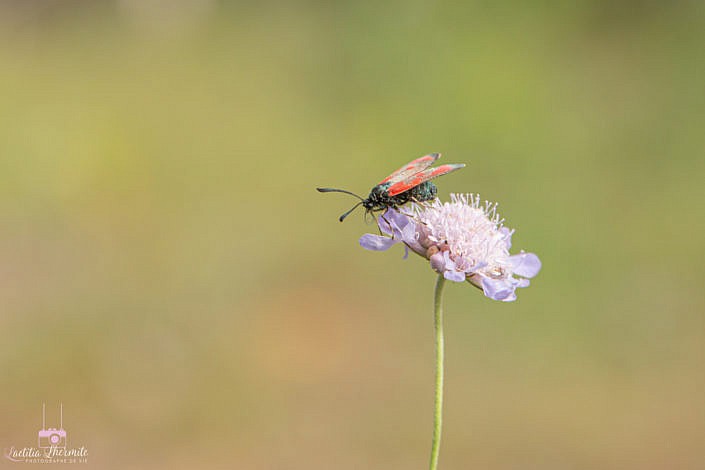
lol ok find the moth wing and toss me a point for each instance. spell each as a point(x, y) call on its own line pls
point(412, 168)
point(421, 177)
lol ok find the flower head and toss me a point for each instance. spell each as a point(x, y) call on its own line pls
point(463, 240)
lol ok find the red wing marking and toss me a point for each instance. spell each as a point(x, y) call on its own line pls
point(412, 168)
point(418, 178)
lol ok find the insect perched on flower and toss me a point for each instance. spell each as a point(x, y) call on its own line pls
point(409, 183)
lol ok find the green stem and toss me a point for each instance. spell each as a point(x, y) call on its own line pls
point(438, 403)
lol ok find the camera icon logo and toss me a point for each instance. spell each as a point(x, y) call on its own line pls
point(52, 437)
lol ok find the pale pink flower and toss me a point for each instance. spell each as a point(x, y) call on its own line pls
point(463, 240)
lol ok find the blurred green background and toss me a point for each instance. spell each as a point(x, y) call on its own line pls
point(168, 272)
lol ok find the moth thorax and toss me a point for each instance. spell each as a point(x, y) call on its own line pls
point(377, 199)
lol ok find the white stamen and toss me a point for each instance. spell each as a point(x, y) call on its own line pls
point(471, 229)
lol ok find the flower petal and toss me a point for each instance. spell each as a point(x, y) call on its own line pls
point(525, 264)
point(385, 226)
point(438, 262)
point(393, 222)
point(449, 263)
point(408, 233)
point(497, 289)
point(456, 276)
point(461, 264)
point(376, 242)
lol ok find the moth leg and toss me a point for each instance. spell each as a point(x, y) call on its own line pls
point(374, 218)
point(420, 203)
point(391, 228)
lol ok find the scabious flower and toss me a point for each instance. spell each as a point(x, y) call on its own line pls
point(463, 240)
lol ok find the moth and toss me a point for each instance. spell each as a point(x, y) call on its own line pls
point(412, 182)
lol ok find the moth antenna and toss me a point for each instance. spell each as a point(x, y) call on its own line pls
point(342, 217)
point(334, 190)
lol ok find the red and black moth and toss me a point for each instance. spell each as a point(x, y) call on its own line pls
point(409, 183)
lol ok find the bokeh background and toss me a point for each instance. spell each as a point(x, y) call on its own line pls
point(168, 272)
